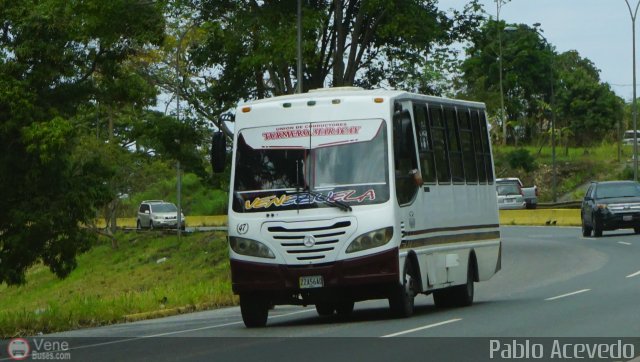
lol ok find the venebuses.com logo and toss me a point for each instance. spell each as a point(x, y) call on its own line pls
point(18, 349)
point(38, 349)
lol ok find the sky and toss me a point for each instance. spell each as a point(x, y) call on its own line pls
point(600, 30)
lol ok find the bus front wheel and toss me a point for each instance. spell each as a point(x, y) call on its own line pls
point(325, 309)
point(254, 310)
point(401, 301)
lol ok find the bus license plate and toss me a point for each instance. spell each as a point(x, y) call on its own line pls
point(314, 281)
point(627, 217)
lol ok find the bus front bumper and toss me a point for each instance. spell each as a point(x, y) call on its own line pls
point(356, 278)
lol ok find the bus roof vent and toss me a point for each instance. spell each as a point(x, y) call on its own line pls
point(336, 89)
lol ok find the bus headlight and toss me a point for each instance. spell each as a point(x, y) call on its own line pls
point(371, 239)
point(250, 247)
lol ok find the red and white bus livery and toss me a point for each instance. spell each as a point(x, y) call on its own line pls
point(343, 195)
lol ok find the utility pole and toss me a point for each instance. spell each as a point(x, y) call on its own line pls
point(633, 106)
point(499, 4)
point(299, 42)
point(178, 168)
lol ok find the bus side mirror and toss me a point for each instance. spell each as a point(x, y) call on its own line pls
point(218, 151)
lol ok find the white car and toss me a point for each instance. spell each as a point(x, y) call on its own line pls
point(158, 214)
point(510, 197)
point(530, 194)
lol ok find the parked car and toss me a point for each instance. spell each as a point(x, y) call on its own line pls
point(530, 194)
point(158, 214)
point(611, 205)
point(627, 139)
point(510, 196)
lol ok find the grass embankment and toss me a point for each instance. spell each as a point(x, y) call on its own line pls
point(550, 217)
point(123, 284)
point(191, 221)
point(575, 167)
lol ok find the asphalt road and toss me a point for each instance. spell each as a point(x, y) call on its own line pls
point(553, 283)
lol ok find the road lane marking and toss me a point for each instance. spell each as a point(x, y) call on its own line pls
point(223, 325)
point(633, 275)
point(568, 294)
point(178, 332)
point(190, 330)
point(623, 243)
point(423, 327)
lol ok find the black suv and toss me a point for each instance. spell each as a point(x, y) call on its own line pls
point(611, 205)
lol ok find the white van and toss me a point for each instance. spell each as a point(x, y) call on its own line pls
point(627, 139)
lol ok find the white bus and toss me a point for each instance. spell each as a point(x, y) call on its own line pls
point(342, 195)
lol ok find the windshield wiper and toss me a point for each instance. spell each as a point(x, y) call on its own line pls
point(335, 203)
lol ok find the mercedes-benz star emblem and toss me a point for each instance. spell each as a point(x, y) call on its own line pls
point(309, 241)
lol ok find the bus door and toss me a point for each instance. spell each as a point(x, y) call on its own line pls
point(408, 178)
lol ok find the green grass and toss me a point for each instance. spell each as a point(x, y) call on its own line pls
point(575, 167)
point(111, 284)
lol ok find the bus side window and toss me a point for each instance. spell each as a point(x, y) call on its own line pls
point(425, 145)
point(406, 162)
point(486, 147)
point(439, 147)
point(455, 152)
point(477, 143)
point(466, 140)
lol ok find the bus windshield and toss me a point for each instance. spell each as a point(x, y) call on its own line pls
point(311, 165)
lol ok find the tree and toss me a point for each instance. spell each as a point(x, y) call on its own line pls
point(247, 48)
point(55, 58)
point(527, 73)
point(533, 72)
point(588, 107)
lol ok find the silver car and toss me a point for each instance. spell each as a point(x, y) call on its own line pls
point(510, 197)
point(158, 214)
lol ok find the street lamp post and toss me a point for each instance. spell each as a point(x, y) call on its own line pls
point(553, 119)
point(179, 174)
point(499, 4)
point(633, 106)
point(178, 168)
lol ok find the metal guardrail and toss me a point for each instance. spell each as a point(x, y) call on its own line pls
point(560, 205)
point(188, 230)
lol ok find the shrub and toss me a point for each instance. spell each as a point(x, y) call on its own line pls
point(626, 173)
point(521, 158)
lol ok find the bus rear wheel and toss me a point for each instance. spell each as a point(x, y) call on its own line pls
point(458, 296)
point(254, 310)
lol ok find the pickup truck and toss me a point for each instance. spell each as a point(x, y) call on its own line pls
point(530, 194)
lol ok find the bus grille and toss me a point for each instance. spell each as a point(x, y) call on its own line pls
point(311, 240)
